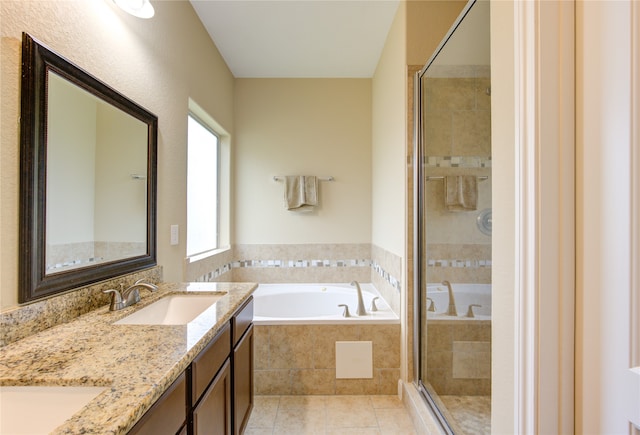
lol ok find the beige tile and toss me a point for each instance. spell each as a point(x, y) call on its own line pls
point(264, 412)
point(291, 346)
point(350, 411)
point(303, 401)
point(388, 381)
point(261, 347)
point(313, 381)
point(386, 344)
point(271, 382)
point(394, 421)
point(386, 402)
point(357, 386)
point(353, 431)
point(325, 337)
point(299, 431)
point(302, 418)
point(471, 133)
point(258, 431)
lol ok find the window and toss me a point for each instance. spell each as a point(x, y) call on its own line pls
point(203, 168)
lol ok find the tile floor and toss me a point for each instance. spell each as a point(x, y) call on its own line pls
point(471, 413)
point(301, 415)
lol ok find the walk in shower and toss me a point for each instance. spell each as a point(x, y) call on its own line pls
point(453, 225)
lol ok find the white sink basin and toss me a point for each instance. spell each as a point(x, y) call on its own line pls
point(39, 410)
point(171, 310)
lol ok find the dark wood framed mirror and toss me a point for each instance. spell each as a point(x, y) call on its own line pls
point(88, 177)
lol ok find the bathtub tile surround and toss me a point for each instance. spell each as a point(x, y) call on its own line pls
point(304, 263)
point(302, 415)
point(29, 319)
point(385, 276)
point(300, 359)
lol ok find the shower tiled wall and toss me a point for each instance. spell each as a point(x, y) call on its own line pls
point(459, 357)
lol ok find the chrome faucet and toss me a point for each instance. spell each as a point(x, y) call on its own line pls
point(451, 311)
point(130, 296)
point(360, 311)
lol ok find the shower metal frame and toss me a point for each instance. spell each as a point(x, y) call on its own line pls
point(418, 219)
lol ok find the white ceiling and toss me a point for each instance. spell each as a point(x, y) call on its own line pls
point(298, 38)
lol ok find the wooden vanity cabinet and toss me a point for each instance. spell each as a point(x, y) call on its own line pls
point(242, 381)
point(215, 393)
point(242, 367)
point(168, 414)
point(212, 414)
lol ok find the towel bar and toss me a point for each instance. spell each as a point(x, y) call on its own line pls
point(481, 178)
point(280, 178)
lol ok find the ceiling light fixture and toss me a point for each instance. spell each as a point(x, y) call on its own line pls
point(137, 8)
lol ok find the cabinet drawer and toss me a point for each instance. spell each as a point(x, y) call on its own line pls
point(212, 416)
point(242, 320)
point(208, 362)
point(169, 412)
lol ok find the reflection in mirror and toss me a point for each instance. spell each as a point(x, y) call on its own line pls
point(96, 158)
point(87, 179)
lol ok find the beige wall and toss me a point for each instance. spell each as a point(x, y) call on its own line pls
point(158, 63)
point(389, 117)
point(427, 23)
point(316, 127)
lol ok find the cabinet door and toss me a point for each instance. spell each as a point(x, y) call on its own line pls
point(242, 381)
point(212, 416)
point(168, 414)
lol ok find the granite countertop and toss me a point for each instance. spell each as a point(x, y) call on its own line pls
point(136, 363)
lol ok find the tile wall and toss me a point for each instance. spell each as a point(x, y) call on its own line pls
point(305, 263)
point(459, 357)
point(300, 359)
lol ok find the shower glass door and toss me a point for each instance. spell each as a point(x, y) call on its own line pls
point(453, 226)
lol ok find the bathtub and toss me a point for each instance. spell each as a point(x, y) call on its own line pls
point(281, 304)
point(464, 295)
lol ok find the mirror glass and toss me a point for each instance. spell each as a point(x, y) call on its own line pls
point(96, 179)
point(88, 178)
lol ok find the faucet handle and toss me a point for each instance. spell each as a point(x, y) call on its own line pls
point(345, 313)
point(432, 305)
point(470, 310)
point(116, 300)
point(373, 304)
point(148, 285)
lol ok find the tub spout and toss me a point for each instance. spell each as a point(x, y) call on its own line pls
point(360, 311)
point(451, 311)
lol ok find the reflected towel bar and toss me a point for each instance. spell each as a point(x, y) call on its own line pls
point(281, 178)
point(434, 178)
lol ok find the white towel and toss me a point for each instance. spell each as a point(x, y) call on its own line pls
point(300, 192)
point(461, 192)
